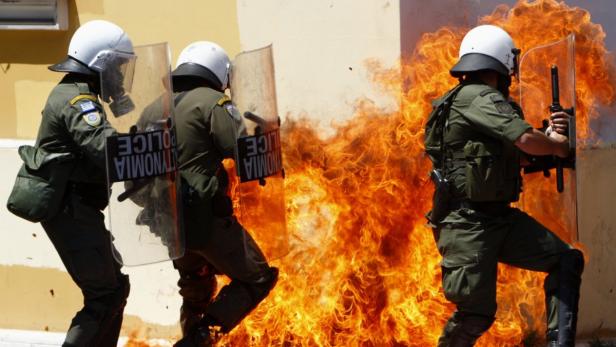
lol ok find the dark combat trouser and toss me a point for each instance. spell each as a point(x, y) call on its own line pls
point(472, 243)
point(231, 251)
point(84, 244)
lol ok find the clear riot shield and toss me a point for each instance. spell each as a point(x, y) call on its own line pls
point(144, 212)
point(547, 81)
point(258, 159)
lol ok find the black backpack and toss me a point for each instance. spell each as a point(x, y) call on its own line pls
point(435, 126)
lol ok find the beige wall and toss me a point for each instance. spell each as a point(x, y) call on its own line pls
point(320, 50)
point(597, 231)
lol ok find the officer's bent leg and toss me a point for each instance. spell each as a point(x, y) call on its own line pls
point(469, 269)
point(197, 287)
point(233, 252)
point(532, 246)
point(78, 233)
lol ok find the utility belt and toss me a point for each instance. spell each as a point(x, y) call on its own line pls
point(491, 179)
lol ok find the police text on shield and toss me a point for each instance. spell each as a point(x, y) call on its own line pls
point(259, 156)
point(141, 155)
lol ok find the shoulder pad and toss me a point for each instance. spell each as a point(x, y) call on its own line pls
point(223, 100)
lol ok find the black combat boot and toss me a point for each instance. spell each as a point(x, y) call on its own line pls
point(463, 329)
point(571, 267)
point(551, 338)
point(202, 336)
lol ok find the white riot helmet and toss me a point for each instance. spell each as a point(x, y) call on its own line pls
point(487, 47)
point(206, 60)
point(90, 43)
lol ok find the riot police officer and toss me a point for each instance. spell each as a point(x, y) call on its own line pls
point(484, 138)
point(74, 122)
point(207, 125)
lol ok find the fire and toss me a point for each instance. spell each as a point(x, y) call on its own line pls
point(362, 267)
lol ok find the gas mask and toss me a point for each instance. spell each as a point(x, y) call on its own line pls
point(116, 72)
point(114, 93)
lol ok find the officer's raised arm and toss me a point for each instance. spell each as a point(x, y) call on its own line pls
point(535, 142)
point(493, 115)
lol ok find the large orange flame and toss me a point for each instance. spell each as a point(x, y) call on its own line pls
point(363, 269)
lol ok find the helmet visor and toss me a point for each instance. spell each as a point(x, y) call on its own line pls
point(116, 69)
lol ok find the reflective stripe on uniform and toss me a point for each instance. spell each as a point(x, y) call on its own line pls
point(83, 97)
point(223, 100)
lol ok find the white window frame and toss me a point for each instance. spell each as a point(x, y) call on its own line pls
point(61, 20)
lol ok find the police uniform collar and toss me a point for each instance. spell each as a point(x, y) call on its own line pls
point(91, 81)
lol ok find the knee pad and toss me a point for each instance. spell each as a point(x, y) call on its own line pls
point(568, 271)
point(572, 263)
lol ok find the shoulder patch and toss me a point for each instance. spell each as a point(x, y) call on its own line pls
point(502, 105)
point(93, 118)
point(517, 108)
point(223, 100)
point(232, 111)
point(87, 106)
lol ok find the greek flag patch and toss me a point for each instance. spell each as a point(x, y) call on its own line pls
point(232, 111)
point(87, 106)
